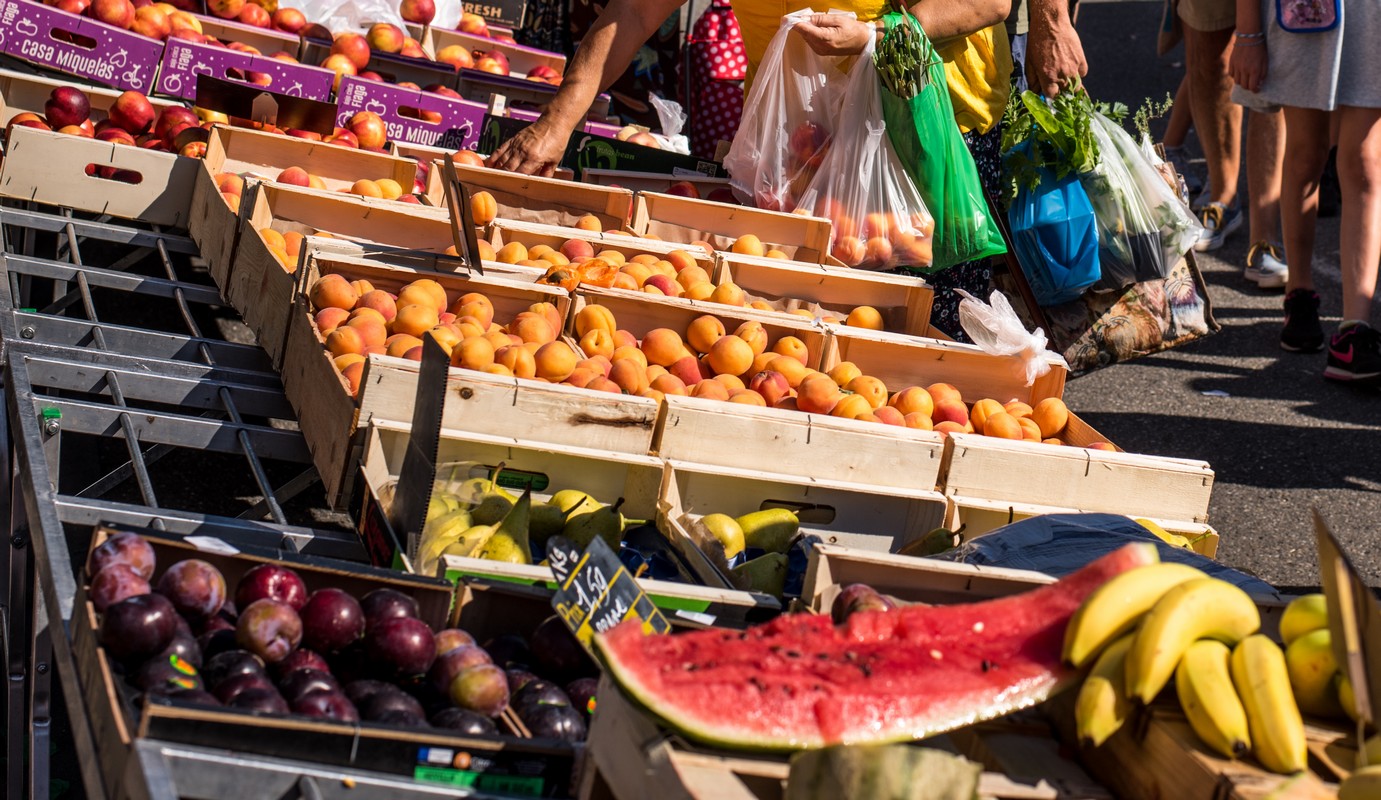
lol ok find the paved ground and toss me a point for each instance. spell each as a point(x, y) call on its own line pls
point(1284, 440)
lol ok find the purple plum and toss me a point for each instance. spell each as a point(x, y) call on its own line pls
point(231, 664)
point(325, 704)
point(518, 678)
point(547, 721)
point(301, 658)
point(509, 650)
point(115, 583)
point(379, 704)
point(164, 676)
point(482, 689)
point(360, 691)
point(196, 697)
point(401, 647)
point(855, 598)
point(331, 620)
point(138, 627)
point(465, 722)
point(217, 642)
point(451, 638)
point(269, 629)
point(261, 701)
point(385, 604)
point(129, 549)
point(227, 690)
point(558, 653)
point(582, 695)
point(184, 647)
point(196, 588)
point(271, 581)
point(306, 680)
point(403, 719)
point(450, 664)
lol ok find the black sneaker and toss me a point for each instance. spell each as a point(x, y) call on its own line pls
point(1355, 355)
point(1302, 332)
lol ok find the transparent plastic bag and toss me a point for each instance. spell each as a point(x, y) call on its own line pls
point(354, 15)
point(879, 218)
point(787, 122)
point(673, 119)
point(995, 327)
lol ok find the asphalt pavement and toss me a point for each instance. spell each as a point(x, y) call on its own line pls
point(1281, 439)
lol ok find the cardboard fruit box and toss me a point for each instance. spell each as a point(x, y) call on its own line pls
point(79, 46)
point(183, 61)
point(413, 115)
point(265, 155)
point(392, 68)
point(521, 60)
point(51, 168)
point(267, 41)
point(117, 721)
point(903, 301)
point(681, 219)
point(527, 198)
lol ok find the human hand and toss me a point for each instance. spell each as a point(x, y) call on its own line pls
point(1054, 55)
point(836, 34)
point(535, 150)
point(1247, 66)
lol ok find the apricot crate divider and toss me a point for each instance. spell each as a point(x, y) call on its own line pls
point(903, 301)
point(50, 168)
point(739, 435)
point(681, 219)
point(532, 198)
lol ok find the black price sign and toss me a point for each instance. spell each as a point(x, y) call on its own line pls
point(597, 592)
point(499, 12)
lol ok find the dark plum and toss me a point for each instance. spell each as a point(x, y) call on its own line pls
point(539, 693)
point(378, 704)
point(466, 722)
point(352, 664)
point(216, 642)
point(196, 589)
point(385, 604)
point(261, 701)
point(184, 647)
point(360, 691)
point(518, 678)
point(482, 689)
point(138, 627)
point(451, 638)
point(331, 620)
point(398, 718)
point(115, 583)
point(306, 680)
point(216, 623)
point(231, 664)
point(548, 721)
point(400, 647)
point(270, 629)
point(301, 658)
point(227, 690)
point(123, 548)
point(272, 581)
point(325, 704)
point(197, 697)
point(857, 597)
point(448, 665)
point(582, 695)
point(558, 654)
point(165, 676)
point(508, 650)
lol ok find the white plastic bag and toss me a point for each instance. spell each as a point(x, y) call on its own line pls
point(997, 329)
point(787, 121)
point(880, 220)
point(351, 15)
point(673, 119)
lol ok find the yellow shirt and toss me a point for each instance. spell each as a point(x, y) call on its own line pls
point(978, 68)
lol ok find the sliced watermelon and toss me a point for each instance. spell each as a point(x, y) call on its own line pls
point(801, 682)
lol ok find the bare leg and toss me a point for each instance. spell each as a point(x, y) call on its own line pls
point(1177, 127)
point(1306, 139)
point(1265, 160)
point(1217, 119)
point(1359, 174)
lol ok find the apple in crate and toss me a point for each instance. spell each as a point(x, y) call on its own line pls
point(133, 112)
point(418, 12)
point(457, 56)
point(119, 13)
point(225, 9)
point(153, 22)
point(255, 15)
point(493, 61)
point(67, 105)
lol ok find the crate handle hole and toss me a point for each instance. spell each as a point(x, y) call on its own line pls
point(84, 42)
point(252, 78)
point(807, 513)
point(429, 117)
point(108, 173)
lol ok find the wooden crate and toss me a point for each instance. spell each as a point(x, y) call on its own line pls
point(49, 167)
point(681, 219)
point(528, 198)
point(852, 514)
point(333, 422)
point(902, 361)
point(531, 234)
point(20, 92)
point(652, 181)
point(521, 59)
point(425, 155)
point(245, 151)
point(907, 578)
point(851, 451)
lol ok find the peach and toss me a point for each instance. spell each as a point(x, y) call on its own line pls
point(680, 260)
point(818, 394)
point(288, 20)
point(630, 376)
point(577, 248)
point(865, 317)
point(474, 353)
point(385, 37)
point(981, 411)
point(948, 410)
point(151, 22)
point(791, 346)
point(703, 332)
point(369, 129)
point(850, 250)
point(877, 251)
point(919, 421)
point(532, 327)
point(747, 397)
point(483, 208)
point(1000, 425)
point(629, 353)
point(399, 344)
point(729, 294)
point(328, 319)
point(748, 245)
point(851, 406)
point(669, 384)
point(944, 391)
point(315, 182)
point(120, 13)
point(889, 416)
point(345, 340)
point(710, 390)
point(455, 55)
point(519, 361)
point(1017, 408)
point(511, 253)
point(354, 47)
point(662, 346)
point(1051, 415)
point(870, 389)
point(294, 176)
point(415, 320)
point(333, 291)
point(255, 15)
point(341, 65)
point(1030, 431)
point(555, 361)
point(843, 372)
point(794, 371)
point(772, 386)
point(590, 223)
point(730, 355)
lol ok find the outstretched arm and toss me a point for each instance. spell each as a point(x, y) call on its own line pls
point(1054, 53)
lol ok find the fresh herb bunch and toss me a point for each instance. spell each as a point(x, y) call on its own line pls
point(902, 59)
point(1150, 110)
point(1060, 133)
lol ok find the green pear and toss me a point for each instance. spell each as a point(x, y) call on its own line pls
point(765, 574)
point(605, 522)
point(573, 503)
point(726, 529)
point(770, 529)
point(509, 542)
point(437, 506)
point(547, 521)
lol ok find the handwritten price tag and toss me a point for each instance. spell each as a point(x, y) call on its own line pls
point(597, 592)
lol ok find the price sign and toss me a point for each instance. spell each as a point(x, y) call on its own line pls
point(597, 592)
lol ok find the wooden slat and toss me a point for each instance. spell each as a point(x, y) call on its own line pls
point(529, 198)
point(681, 219)
point(265, 155)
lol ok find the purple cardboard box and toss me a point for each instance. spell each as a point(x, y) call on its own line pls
point(183, 61)
point(457, 129)
point(89, 49)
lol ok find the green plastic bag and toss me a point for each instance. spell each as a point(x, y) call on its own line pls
point(927, 140)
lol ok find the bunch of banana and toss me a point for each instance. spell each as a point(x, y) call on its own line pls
point(1164, 621)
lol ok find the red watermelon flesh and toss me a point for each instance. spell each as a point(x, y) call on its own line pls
point(801, 682)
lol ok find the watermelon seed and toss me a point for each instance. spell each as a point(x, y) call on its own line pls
point(823, 656)
point(792, 654)
point(987, 665)
point(689, 667)
point(851, 655)
point(867, 670)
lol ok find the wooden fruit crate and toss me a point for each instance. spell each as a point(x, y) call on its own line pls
point(528, 198)
point(851, 514)
point(333, 422)
point(265, 155)
point(49, 167)
point(521, 59)
point(652, 181)
point(903, 301)
point(530, 234)
point(902, 361)
point(846, 450)
point(20, 92)
point(261, 287)
point(681, 219)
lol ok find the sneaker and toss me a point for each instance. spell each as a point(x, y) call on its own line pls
point(1302, 332)
point(1220, 222)
point(1354, 354)
point(1269, 270)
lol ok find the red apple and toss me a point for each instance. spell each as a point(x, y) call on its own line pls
point(288, 20)
point(115, 135)
point(172, 117)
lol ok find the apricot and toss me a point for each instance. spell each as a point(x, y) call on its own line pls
point(761, 305)
point(729, 294)
point(604, 385)
point(877, 251)
point(483, 208)
point(600, 364)
point(328, 319)
point(755, 335)
point(446, 336)
point(400, 343)
point(777, 254)
point(870, 389)
point(532, 327)
point(794, 371)
point(747, 397)
point(661, 284)
point(474, 304)
point(761, 361)
point(353, 375)
point(1017, 408)
point(851, 406)
point(582, 377)
point(1056, 442)
point(1030, 431)
point(1101, 446)
point(366, 313)
point(416, 291)
point(346, 360)
point(700, 291)
point(787, 404)
point(865, 317)
point(680, 260)
point(919, 421)
point(1051, 415)
point(867, 416)
point(274, 239)
point(944, 391)
point(948, 410)
point(345, 340)
point(772, 386)
point(597, 343)
point(630, 376)
point(662, 346)
point(688, 369)
point(731, 382)
point(748, 245)
point(730, 355)
point(415, 320)
point(590, 223)
point(615, 257)
point(366, 188)
point(549, 312)
point(710, 390)
point(981, 411)
point(703, 332)
point(486, 250)
point(638, 272)
point(792, 347)
point(945, 428)
point(690, 276)
point(511, 253)
point(476, 353)
point(880, 224)
point(498, 369)
point(333, 291)
point(232, 200)
point(595, 317)
point(844, 372)
point(627, 353)
point(292, 243)
point(555, 361)
point(850, 250)
point(818, 394)
point(391, 189)
point(1000, 425)
point(623, 338)
point(669, 384)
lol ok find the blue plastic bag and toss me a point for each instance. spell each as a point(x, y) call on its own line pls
point(1055, 238)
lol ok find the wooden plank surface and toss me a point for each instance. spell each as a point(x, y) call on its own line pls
point(266, 155)
point(682, 219)
point(530, 198)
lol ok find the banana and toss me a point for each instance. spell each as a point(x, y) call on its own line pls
point(1117, 606)
point(1102, 705)
point(1172, 539)
point(1206, 608)
point(1204, 684)
point(1364, 784)
point(1277, 730)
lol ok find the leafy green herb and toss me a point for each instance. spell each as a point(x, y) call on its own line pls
point(1150, 110)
